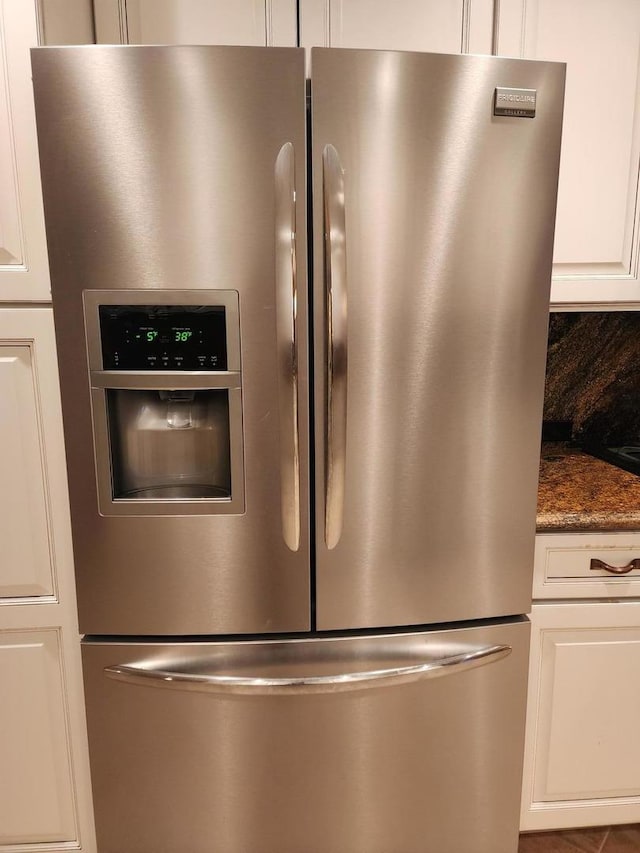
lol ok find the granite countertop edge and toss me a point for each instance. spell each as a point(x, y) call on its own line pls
point(579, 493)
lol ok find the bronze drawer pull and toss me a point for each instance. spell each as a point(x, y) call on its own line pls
point(615, 570)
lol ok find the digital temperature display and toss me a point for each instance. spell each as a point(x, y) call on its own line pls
point(163, 337)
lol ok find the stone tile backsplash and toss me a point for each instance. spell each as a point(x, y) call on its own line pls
point(593, 376)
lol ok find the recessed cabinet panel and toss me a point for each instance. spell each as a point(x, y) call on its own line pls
point(36, 795)
point(593, 750)
point(241, 22)
point(439, 26)
point(26, 561)
point(600, 42)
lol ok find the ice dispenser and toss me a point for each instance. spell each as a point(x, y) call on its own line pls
point(166, 396)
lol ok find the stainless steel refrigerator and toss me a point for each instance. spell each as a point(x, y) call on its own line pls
point(301, 342)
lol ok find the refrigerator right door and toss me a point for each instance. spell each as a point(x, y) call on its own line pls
point(435, 181)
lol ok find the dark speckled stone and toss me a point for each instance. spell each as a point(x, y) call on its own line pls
point(578, 492)
point(593, 375)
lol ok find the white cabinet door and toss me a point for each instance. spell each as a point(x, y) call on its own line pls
point(36, 791)
point(24, 271)
point(596, 257)
point(241, 22)
point(582, 753)
point(439, 26)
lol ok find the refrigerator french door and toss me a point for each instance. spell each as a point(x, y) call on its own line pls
point(295, 644)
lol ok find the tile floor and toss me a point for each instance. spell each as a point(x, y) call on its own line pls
point(601, 839)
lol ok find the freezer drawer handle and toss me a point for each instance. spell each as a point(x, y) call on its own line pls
point(255, 685)
point(286, 302)
point(600, 565)
point(336, 294)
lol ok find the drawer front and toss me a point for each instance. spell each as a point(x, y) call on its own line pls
point(587, 566)
point(268, 770)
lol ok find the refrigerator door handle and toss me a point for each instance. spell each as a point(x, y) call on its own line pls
point(141, 674)
point(286, 304)
point(336, 294)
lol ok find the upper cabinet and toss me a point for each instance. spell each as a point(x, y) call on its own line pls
point(596, 248)
point(242, 22)
point(24, 272)
point(440, 26)
point(24, 269)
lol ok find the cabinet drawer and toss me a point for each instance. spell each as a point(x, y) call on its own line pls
point(575, 565)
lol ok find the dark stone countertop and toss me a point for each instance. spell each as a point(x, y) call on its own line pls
point(577, 492)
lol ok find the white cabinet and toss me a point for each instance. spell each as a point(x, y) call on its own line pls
point(582, 754)
point(241, 22)
point(440, 26)
point(24, 272)
point(582, 750)
point(24, 269)
point(45, 796)
point(596, 247)
point(36, 789)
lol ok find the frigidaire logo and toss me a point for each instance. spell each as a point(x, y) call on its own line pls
point(519, 98)
point(517, 103)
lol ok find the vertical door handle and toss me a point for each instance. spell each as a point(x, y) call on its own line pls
point(335, 264)
point(286, 296)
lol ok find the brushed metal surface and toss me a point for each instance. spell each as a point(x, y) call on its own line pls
point(449, 222)
point(428, 765)
point(158, 174)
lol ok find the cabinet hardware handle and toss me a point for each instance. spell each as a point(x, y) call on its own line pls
point(600, 565)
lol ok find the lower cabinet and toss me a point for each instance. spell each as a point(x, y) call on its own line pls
point(36, 789)
point(45, 791)
point(582, 753)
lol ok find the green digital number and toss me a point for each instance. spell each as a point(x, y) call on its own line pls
point(183, 336)
point(151, 336)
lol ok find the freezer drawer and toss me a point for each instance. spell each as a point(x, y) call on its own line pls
point(402, 743)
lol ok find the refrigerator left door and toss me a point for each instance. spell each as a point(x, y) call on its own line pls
point(168, 170)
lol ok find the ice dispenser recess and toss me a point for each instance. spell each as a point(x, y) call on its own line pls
point(167, 401)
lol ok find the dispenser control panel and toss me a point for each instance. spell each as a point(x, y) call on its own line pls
point(163, 337)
